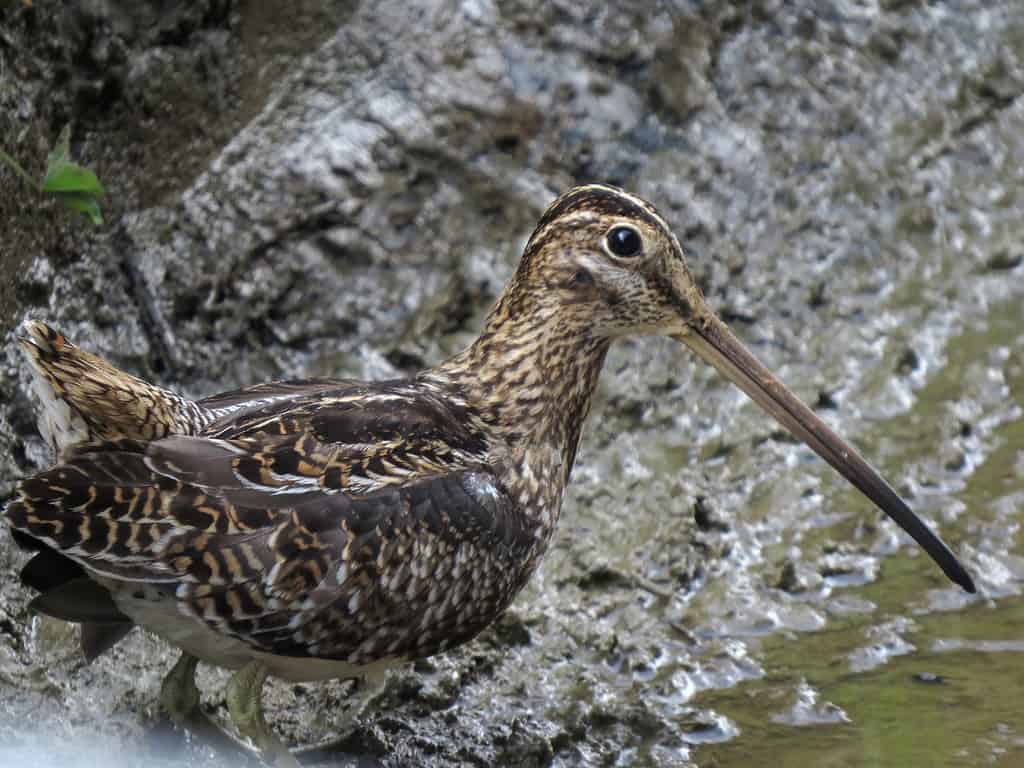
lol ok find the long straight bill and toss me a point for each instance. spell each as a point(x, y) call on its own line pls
point(717, 345)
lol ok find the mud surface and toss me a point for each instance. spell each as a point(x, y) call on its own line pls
point(342, 189)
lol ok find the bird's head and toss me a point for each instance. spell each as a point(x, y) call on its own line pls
point(606, 258)
point(605, 261)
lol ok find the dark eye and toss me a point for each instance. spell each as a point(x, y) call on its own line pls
point(624, 242)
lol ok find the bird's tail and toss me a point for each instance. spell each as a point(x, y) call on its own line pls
point(85, 399)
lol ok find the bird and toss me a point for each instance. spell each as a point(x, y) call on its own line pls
point(333, 528)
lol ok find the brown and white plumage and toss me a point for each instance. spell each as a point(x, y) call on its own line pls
point(321, 528)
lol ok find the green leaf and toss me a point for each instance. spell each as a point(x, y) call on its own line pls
point(83, 202)
point(64, 176)
point(76, 187)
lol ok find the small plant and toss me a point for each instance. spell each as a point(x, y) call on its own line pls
point(75, 186)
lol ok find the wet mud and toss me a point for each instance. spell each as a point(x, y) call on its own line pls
point(343, 188)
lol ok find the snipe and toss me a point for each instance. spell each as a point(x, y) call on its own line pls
point(331, 528)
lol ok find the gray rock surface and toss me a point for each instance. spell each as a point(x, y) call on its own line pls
point(342, 189)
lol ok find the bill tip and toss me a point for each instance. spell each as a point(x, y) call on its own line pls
point(959, 575)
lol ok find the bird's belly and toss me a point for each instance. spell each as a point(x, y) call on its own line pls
point(157, 611)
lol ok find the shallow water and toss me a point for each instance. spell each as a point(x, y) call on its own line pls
point(907, 671)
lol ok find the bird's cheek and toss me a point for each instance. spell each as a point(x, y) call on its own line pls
point(573, 293)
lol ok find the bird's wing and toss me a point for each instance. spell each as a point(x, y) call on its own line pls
point(355, 437)
point(226, 406)
point(342, 527)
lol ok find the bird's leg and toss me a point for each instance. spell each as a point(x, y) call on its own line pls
point(245, 703)
point(179, 695)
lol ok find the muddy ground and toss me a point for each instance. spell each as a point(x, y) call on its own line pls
point(321, 188)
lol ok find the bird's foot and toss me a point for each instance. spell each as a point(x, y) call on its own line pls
point(245, 703)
